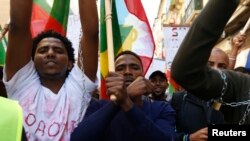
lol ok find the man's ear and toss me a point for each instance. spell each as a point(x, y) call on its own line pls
point(70, 65)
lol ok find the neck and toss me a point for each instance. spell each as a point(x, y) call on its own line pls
point(53, 84)
point(159, 97)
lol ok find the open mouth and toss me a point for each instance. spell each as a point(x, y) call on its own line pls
point(158, 89)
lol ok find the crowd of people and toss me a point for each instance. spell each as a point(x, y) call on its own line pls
point(48, 95)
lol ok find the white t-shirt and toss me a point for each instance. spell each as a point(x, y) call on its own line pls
point(49, 116)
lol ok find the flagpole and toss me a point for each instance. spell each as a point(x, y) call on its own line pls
point(4, 31)
point(243, 31)
point(110, 46)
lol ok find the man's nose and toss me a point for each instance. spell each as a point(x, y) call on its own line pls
point(51, 52)
point(127, 70)
point(158, 82)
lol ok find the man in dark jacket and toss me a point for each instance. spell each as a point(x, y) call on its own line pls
point(129, 117)
point(191, 108)
point(198, 78)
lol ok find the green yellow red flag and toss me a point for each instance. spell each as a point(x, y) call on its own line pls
point(131, 31)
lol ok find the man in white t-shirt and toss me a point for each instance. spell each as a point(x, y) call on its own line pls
point(53, 92)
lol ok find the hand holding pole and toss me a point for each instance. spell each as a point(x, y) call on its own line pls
point(110, 45)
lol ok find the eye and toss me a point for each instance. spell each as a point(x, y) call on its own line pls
point(222, 66)
point(136, 67)
point(153, 80)
point(162, 80)
point(119, 68)
point(42, 50)
point(59, 50)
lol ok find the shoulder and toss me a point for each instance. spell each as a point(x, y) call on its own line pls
point(177, 98)
point(95, 105)
point(98, 103)
point(161, 106)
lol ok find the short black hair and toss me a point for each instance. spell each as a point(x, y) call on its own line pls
point(158, 73)
point(130, 53)
point(51, 33)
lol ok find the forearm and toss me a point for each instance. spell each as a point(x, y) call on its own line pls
point(19, 41)
point(20, 14)
point(232, 58)
point(191, 60)
point(89, 17)
point(89, 42)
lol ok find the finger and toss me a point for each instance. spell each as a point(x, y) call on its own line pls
point(114, 79)
point(116, 90)
point(204, 137)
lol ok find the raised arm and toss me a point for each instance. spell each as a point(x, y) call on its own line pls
point(189, 67)
point(237, 42)
point(19, 41)
point(89, 41)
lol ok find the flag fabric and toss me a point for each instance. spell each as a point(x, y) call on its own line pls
point(3, 46)
point(173, 86)
point(46, 17)
point(243, 59)
point(131, 31)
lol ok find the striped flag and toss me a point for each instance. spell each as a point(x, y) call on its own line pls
point(131, 31)
point(3, 46)
point(46, 17)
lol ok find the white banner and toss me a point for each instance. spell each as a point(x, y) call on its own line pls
point(173, 37)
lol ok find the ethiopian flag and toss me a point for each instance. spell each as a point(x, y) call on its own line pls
point(3, 46)
point(131, 31)
point(46, 17)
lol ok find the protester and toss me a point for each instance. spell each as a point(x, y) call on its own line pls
point(160, 84)
point(218, 59)
point(53, 92)
point(129, 118)
point(198, 78)
point(191, 108)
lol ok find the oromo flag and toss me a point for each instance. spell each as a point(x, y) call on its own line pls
point(3, 46)
point(45, 17)
point(131, 31)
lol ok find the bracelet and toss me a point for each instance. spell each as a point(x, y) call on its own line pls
point(232, 58)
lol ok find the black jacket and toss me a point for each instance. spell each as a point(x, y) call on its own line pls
point(193, 113)
point(190, 69)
